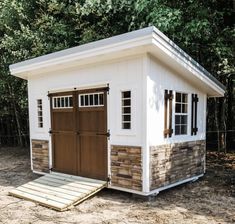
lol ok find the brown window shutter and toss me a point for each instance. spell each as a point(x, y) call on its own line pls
point(195, 116)
point(170, 112)
point(194, 128)
point(168, 97)
point(165, 113)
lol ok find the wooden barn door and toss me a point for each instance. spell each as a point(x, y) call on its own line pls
point(79, 133)
point(92, 129)
point(64, 134)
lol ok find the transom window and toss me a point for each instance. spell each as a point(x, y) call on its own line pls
point(91, 99)
point(126, 109)
point(181, 113)
point(62, 102)
point(40, 115)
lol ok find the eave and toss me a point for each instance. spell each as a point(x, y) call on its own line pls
point(148, 40)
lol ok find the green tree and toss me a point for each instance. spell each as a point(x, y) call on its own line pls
point(203, 28)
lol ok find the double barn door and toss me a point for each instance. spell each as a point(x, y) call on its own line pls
point(79, 132)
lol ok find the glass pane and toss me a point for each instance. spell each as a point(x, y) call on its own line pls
point(82, 100)
point(96, 99)
point(184, 108)
point(40, 113)
point(126, 94)
point(184, 98)
point(86, 100)
point(177, 130)
point(62, 101)
point(91, 99)
point(178, 108)
point(126, 110)
point(101, 96)
point(178, 97)
point(40, 119)
point(184, 129)
point(184, 119)
point(126, 102)
point(40, 125)
point(55, 104)
point(66, 102)
point(126, 117)
point(126, 125)
point(58, 102)
point(70, 101)
point(177, 119)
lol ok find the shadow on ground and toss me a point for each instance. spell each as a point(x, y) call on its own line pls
point(209, 200)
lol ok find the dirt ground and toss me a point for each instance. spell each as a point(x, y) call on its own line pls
point(209, 200)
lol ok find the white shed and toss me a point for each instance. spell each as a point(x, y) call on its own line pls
point(130, 109)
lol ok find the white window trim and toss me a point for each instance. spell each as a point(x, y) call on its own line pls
point(123, 114)
point(89, 94)
point(181, 114)
point(181, 136)
point(38, 106)
point(132, 131)
point(60, 97)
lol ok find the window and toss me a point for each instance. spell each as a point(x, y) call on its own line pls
point(91, 100)
point(40, 115)
point(126, 110)
point(60, 102)
point(181, 113)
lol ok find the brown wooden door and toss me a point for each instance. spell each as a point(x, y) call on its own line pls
point(63, 130)
point(92, 138)
point(79, 133)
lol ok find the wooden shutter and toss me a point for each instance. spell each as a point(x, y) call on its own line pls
point(194, 128)
point(168, 97)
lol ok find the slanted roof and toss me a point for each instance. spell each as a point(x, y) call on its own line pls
point(148, 40)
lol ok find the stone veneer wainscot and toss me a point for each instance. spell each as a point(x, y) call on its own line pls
point(126, 167)
point(40, 155)
point(176, 162)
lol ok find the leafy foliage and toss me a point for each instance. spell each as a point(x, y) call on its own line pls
point(29, 28)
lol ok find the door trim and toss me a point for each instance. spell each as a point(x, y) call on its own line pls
point(75, 92)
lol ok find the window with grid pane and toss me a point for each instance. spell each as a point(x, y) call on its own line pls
point(126, 109)
point(181, 113)
point(40, 115)
point(62, 102)
point(91, 100)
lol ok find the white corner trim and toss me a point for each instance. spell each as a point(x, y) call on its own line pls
point(145, 148)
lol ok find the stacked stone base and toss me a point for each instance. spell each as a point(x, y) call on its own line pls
point(172, 163)
point(126, 167)
point(40, 155)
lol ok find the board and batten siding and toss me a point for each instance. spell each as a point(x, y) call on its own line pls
point(121, 75)
point(161, 77)
point(167, 156)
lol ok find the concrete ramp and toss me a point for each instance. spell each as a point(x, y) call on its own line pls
point(59, 191)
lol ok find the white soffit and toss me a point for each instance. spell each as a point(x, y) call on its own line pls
point(147, 40)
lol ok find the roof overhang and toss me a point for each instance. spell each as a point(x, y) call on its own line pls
point(148, 40)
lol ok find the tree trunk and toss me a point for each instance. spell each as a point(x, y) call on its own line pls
point(17, 118)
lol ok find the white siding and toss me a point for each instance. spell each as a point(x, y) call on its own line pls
point(125, 74)
point(161, 77)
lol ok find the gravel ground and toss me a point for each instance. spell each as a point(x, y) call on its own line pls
point(209, 200)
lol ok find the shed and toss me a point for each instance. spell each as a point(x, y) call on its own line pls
point(130, 110)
